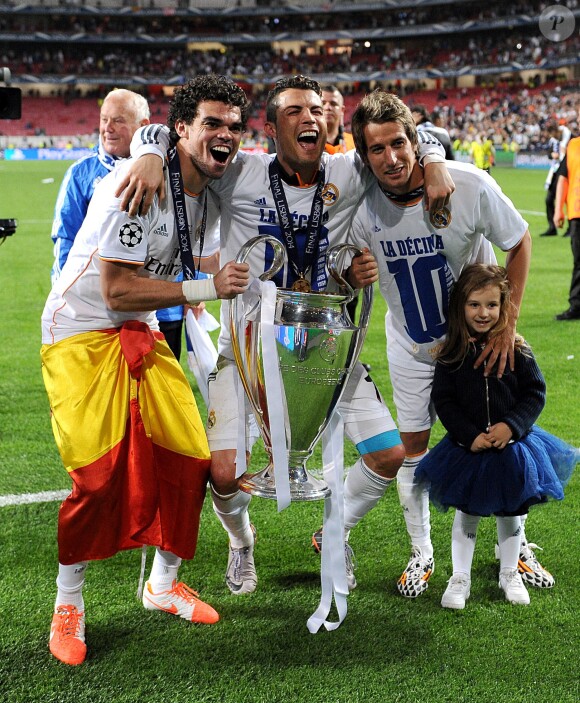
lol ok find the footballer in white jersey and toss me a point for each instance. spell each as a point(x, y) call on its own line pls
point(419, 259)
point(75, 304)
point(248, 209)
point(317, 193)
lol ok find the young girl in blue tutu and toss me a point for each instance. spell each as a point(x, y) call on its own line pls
point(494, 459)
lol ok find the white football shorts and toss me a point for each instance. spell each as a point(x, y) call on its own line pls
point(367, 420)
point(222, 409)
point(412, 396)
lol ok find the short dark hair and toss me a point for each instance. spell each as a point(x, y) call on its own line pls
point(330, 88)
point(379, 107)
point(299, 82)
point(186, 99)
point(422, 110)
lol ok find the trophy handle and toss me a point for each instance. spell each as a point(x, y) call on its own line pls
point(279, 254)
point(278, 262)
point(334, 261)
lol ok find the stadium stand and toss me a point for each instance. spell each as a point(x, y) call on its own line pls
point(450, 55)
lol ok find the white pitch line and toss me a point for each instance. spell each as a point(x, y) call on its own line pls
point(24, 498)
point(531, 212)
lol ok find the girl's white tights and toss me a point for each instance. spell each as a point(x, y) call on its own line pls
point(464, 534)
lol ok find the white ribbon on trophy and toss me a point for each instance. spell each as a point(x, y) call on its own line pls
point(266, 291)
point(333, 567)
point(203, 355)
point(274, 396)
point(251, 293)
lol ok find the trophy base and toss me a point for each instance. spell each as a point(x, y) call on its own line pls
point(303, 486)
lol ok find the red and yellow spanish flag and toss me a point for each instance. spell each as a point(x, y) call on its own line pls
point(129, 433)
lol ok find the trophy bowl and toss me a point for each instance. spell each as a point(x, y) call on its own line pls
point(317, 346)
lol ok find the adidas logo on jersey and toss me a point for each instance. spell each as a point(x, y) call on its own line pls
point(260, 201)
point(161, 231)
point(377, 229)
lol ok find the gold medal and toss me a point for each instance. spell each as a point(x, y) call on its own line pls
point(301, 285)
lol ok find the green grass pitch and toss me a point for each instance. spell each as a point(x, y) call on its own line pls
point(388, 650)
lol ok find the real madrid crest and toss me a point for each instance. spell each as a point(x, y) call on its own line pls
point(440, 218)
point(330, 194)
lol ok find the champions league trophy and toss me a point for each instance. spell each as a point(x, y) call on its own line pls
point(317, 346)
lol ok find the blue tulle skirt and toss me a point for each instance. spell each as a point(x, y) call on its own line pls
point(498, 481)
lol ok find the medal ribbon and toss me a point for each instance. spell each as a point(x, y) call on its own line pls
point(180, 212)
point(288, 231)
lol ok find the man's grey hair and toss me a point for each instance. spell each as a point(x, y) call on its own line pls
point(134, 102)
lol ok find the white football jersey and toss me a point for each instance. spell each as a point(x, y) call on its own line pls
point(419, 261)
point(248, 209)
point(75, 304)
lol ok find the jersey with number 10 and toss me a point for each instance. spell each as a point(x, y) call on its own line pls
point(419, 261)
point(248, 209)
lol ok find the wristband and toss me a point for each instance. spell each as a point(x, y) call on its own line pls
point(431, 159)
point(197, 291)
point(139, 150)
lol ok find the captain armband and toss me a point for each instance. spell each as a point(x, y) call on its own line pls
point(197, 291)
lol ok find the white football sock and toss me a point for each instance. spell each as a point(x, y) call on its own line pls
point(463, 537)
point(164, 570)
point(363, 489)
point(523, 519)
point(509, 539)
point(232, 510)
point(414, 500)
point(69, 583)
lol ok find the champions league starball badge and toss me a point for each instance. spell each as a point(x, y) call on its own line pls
point(301, 285)
point(440, 218)
point(131, 234)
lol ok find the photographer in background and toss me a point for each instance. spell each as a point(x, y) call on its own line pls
point(10, 109)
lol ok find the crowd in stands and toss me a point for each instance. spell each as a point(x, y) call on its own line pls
point(328, 18)
point(512, 118)
point(510, 115)
point(451, 52)
point(448, 49)
point(513, 121)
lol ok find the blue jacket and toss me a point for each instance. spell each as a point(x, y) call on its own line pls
point(73, 199)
